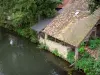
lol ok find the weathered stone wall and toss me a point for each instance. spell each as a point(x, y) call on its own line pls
point(62, 50)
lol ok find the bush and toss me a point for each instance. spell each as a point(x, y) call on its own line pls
point(94, 43)
point(96, 67)
point(81, 50)
point(20, 15)
point(88, 64)
point(56, 52)
point(43, 46)
point(93, 5)
point(28, 33)
point(25, 13)
point(70, 57)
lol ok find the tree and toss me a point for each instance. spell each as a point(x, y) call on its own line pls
point(93, 5)
point(23, 13)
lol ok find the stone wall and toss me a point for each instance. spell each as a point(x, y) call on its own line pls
point(62, 50)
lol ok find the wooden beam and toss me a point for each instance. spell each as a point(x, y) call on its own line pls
point(46, 37)
point(76, 54)
point(95, 32)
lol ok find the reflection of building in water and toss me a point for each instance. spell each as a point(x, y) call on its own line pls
point(14, 41)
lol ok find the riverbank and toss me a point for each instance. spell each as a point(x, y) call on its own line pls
point(70, 57)
point(85, 62)
point(21, 43)
point(26, 32)
point(89, 57)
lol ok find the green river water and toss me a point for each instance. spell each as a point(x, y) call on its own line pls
point(18, 56)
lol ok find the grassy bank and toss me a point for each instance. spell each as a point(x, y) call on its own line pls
point(86, 62)
point(26, 32)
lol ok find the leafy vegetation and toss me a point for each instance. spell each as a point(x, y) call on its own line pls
point(20, 15)
point(87, 63)
point(70, 57)
point(94, 43)
point(24, 13)
point(93, 5)
point(56, 52)
point(81, 50)
point(43, 46)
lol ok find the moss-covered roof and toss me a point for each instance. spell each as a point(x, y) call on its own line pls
point(74, 23)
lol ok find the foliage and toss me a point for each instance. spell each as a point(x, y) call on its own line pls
point(34, 39)
point(28, 33)
point(56, 52)
point(43, 46)
point(20, 15)
point(96, 67)
point(93, 5)
point(23, 13)
point(93, 43)
point(86, 55)
point(88, 64)
point(70, 57)
point(81, 50)
point(83, 44)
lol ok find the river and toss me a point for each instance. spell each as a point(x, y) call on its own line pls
point(18, 56)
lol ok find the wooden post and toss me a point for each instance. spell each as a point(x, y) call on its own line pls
point(46, 36)
point(95, 32)
point(76, 54)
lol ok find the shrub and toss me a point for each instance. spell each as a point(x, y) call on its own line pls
point(88, 64)
point(93, 5)
point(93, 43)
point(24, 13)
point(56, 52)
point(70, 57)
point(96, 67)
point(43, 46)
point(81, 50)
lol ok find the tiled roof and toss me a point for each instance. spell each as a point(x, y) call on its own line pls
point(73, 24)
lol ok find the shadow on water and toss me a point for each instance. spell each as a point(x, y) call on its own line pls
point(18, 56)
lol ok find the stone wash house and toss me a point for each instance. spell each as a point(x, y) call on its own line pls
point(72, 26)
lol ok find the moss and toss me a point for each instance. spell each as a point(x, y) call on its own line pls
point(56, 52)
